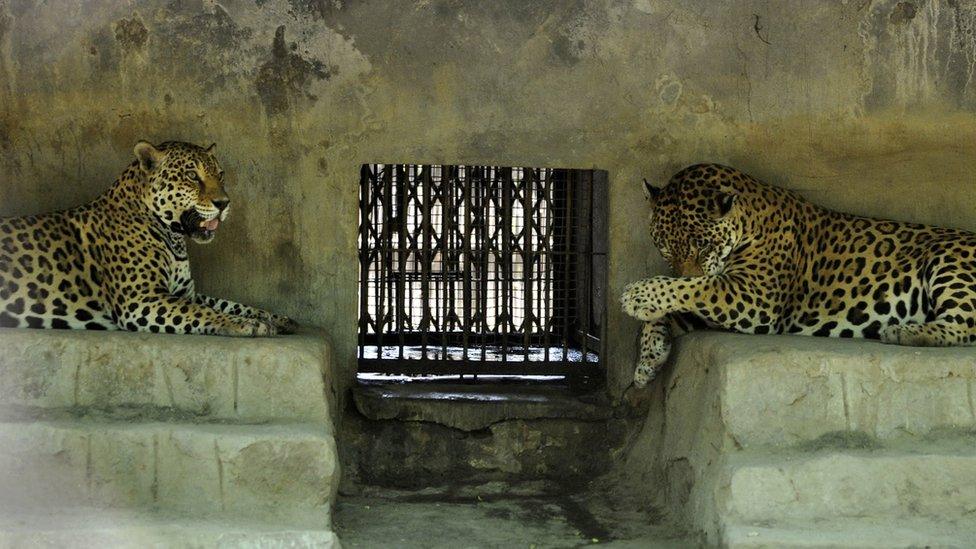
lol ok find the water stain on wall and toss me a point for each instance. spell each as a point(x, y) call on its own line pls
point(208, 45)
point(903, 13)
point(918, 51)
point(318, 9)
point(6, 23)
point(131, 33)
point(287, 77)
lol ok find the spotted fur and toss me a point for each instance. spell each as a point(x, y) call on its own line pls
point(120, 262)
point(757, 259)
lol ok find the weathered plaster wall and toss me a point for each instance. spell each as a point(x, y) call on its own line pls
point(865, 105)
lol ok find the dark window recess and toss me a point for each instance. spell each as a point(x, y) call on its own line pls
point(482, 270)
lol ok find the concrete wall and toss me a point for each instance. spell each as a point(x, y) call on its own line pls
point(865, 105)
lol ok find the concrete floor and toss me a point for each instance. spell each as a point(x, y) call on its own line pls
point(432, 520)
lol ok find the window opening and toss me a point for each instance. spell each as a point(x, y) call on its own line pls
point(481, 270)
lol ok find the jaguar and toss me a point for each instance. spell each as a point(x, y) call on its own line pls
point(757, 259)
point(120, 262)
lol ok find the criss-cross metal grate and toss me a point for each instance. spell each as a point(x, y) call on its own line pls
point(481, 270)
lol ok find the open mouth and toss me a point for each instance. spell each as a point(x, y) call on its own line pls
point(207, 228)
point(198, 228)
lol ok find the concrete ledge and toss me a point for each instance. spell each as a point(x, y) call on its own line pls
point(847, 533)
point(938, 483)
point(100, 528)
point(248, 380)
point(286, 473)
point(471, 408)
point(783, 390)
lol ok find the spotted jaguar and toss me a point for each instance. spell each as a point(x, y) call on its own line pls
point(120, 262)
point(757, 259)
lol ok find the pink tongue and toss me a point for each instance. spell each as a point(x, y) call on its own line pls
point(212, 224)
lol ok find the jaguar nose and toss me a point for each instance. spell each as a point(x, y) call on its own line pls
point(221, 204)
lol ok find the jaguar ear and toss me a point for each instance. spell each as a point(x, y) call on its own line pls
point(722, 204)
point(211, 148)
point(148, 155)
point(651, 193)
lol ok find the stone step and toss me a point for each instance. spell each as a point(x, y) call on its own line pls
point(936, 480)
point(235, 379)
point(852, 533)
point(778, 390)
point(284, 473)
point(95, 528)
point(759, 429)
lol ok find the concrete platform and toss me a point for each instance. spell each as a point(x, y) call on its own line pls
point(937, 482)
point(166, 440)
point(234, 379)
point(862, 533)
point(286, 473)
point(788, 434)
point(93, 528)
point(779, 390)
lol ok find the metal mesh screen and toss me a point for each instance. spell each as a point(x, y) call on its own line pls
point(481, 269)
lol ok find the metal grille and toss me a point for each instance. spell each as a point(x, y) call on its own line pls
point(481, 270)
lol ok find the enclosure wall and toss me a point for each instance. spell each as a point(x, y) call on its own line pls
point(861, 105)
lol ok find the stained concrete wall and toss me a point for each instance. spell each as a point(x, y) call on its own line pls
point(865, 105)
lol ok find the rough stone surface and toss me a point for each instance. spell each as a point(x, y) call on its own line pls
point(937, 483)
point(865, 106)
point(278, 473)
point(813, 386)
point(135, 440)
point(419, 454)
point(778, 431)
point(284, 378)
point(847, 533)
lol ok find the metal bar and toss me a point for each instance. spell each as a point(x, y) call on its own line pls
point(568, 263)
point(468, 250)
point(401, 281)
point(447, 236)
point(486, 254)
point(548, 243)
point(586, 259)
point(505, 181)
point(425, 257)
point(365, 183)
point(383, 213)
point(527, 259)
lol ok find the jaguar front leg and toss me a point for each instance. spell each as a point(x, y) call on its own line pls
point(654, 346)
point(283, 324)
point(162, 312)
point(717, 299)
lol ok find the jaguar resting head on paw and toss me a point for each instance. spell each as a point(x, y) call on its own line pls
point(120, 262)
point(752, 258)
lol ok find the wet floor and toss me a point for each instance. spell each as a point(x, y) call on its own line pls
point(440, 521)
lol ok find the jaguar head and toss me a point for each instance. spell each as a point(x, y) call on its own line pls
point(185, 187)
point(693, 226)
